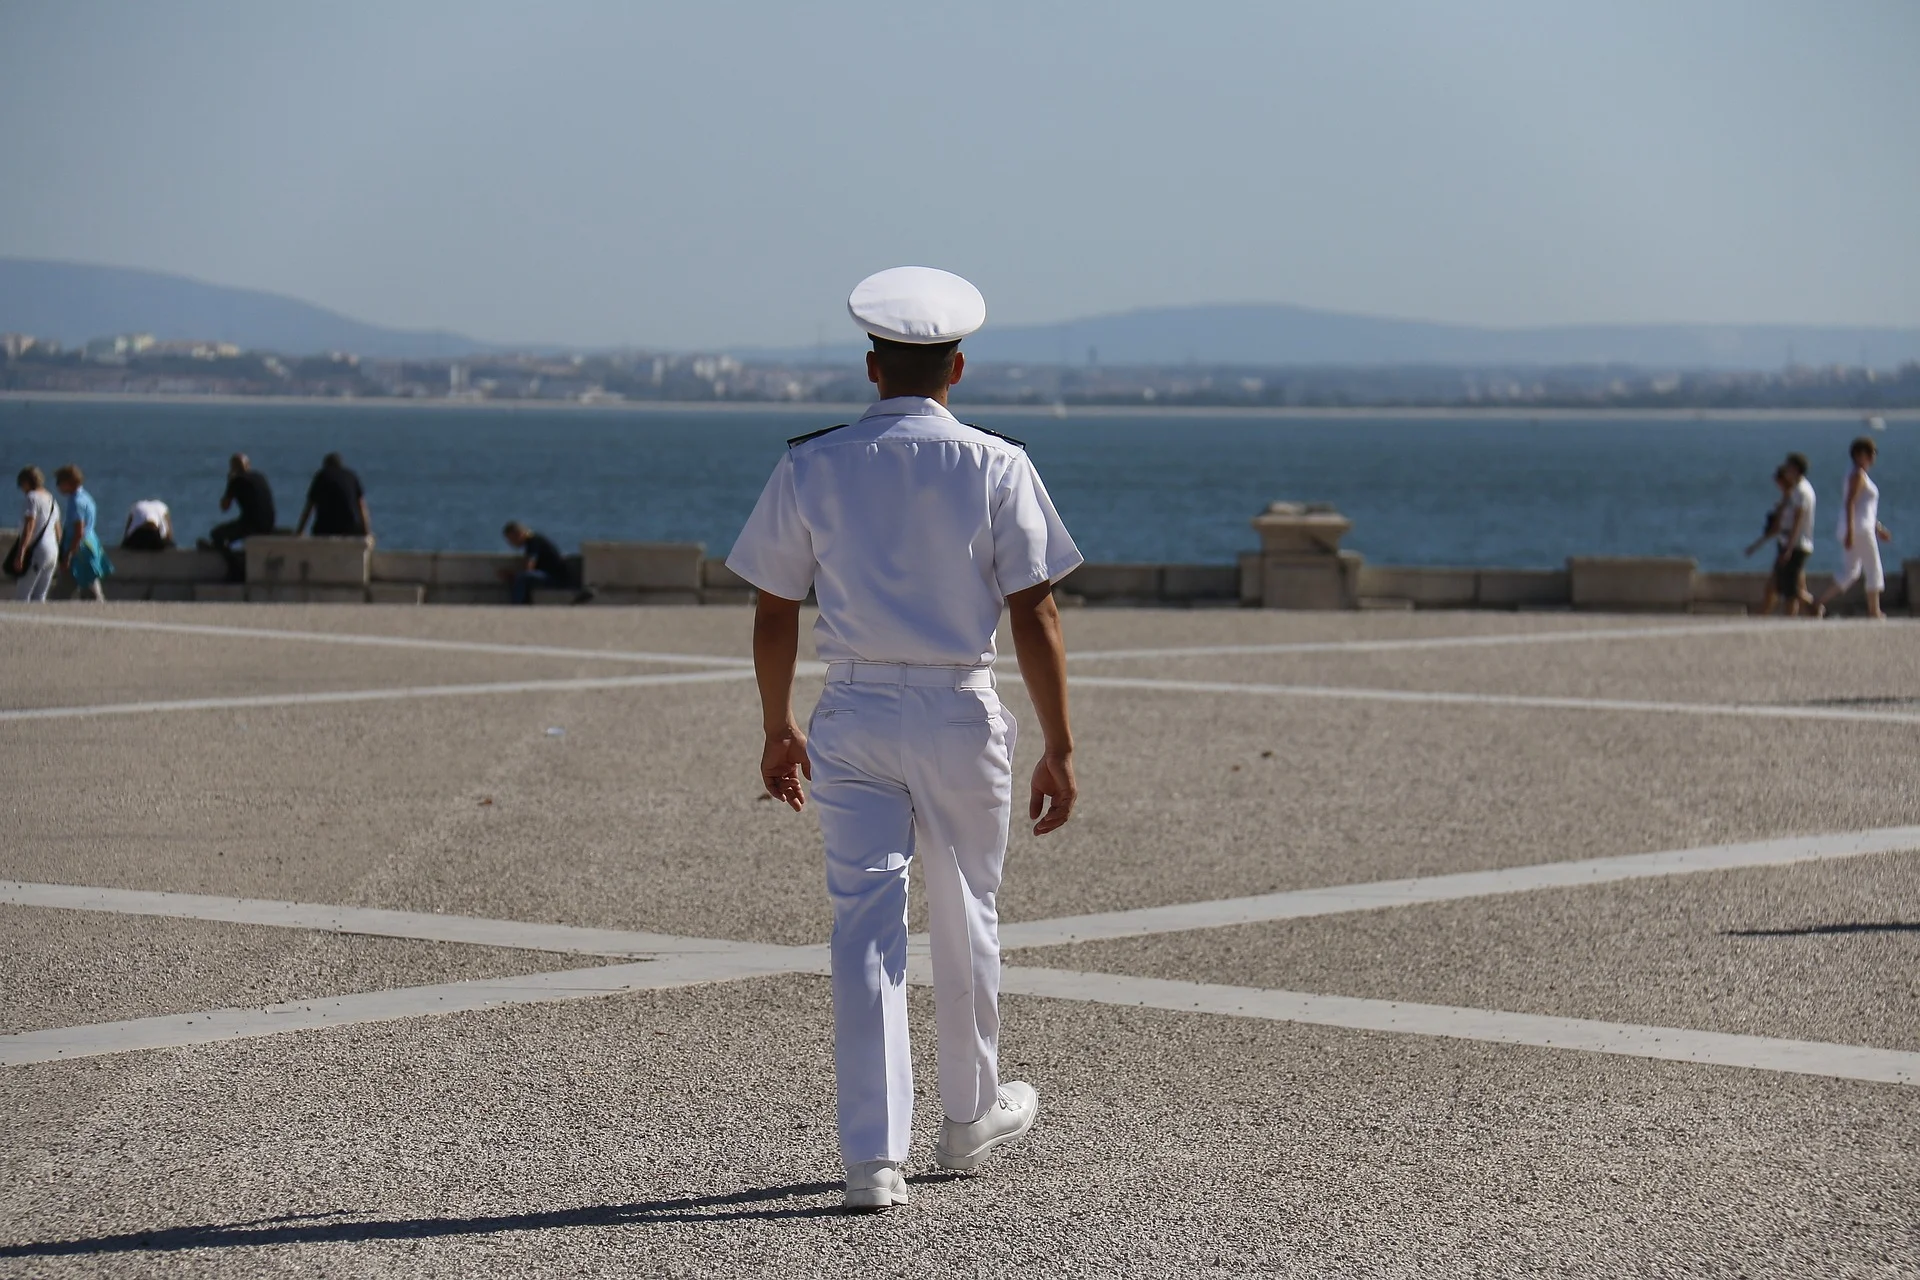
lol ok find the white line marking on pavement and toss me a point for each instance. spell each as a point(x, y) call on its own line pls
point(721, 960)
point(1300, 903)
point(422, 925)
point(1450, 642)
point(1749, 710)
point(374, 695)
point(1760, 1053)
point(389, 642)
point(217, 1025)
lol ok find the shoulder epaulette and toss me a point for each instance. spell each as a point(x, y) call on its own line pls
point(999, 435)
point(814, 435)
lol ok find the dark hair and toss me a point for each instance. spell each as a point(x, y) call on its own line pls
point(71, 474)
point(513, 527)
point(1780, 472)
point(1863, 444)
point(332, 460)
point(912, 366)
point(1798, 461)
point(238, 462)
point(31, 478)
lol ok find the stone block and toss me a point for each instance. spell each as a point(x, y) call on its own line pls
point(643, 566)
point(714, 573)
point(1304, 582)
point(1098, 582)
point(1631, 584)
point(1522, 589)
point(286, 593)
point(1715, 591)
point(473, 568)
point(220, 592)
point(401, 566)
point(1424, 588)
point(177, 565)
point(629, 596)
point(1249, 579)
point(313, 562)
point(1185, 582)
point(396, 593)
point(1300, 528)
point(464, 593)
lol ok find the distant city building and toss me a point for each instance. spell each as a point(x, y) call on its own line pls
point(118, 348)
point(16, 344)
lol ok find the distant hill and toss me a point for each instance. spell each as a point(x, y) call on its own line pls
point(72, 303)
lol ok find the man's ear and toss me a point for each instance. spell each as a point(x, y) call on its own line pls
point(873, 367)
point(959, 367)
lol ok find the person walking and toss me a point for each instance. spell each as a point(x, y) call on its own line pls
point(336, 503)
point(1772, 532)
point(1796, 538)
point(84, 560)
point(37, 551)
point(1860, 533)
point(248, 488)
point(915, 531)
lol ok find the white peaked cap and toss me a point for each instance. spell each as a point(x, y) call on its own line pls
point(921, 305)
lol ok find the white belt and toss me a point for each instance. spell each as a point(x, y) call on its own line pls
point(911, 673)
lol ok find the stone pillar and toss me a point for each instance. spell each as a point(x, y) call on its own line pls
point(1300, 562)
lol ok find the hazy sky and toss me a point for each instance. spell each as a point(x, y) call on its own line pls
point(682, 174)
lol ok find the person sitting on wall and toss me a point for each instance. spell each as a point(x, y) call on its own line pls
point(248, 488)
point(336, 503)
point(149, 526)
point(544, 567)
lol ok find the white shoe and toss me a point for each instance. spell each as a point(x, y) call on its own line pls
point(965, 1146)
point(875, 1184)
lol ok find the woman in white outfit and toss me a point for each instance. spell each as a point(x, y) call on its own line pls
point(38, 550)
point(1860, 533)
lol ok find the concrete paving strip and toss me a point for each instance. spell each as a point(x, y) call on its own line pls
point(179, 1030)
point(421, 925)
point(1760, 711)
point(373, 695)
point(1447, 642)
point(387, 642)
point(1673, 1044)
point(1300, 903)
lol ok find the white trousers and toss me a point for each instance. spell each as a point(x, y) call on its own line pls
point(1862, 562)
point(33, 584)
point(911, 764)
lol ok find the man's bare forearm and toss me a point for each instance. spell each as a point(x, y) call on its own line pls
point(1041, 648)
point(776, 647)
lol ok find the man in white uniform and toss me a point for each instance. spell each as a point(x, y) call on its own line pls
point(913, 529)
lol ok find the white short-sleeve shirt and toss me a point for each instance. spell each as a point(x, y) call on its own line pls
point(912, 528)
point(1801, 498)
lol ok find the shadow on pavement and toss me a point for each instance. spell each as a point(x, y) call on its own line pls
point(1888, 926)
point(336, 1227)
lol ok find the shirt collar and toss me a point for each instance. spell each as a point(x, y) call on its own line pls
point(908, 407)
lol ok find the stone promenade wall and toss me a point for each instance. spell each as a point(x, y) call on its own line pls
point(343, 570)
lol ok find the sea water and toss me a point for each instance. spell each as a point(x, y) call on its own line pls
point(1421, 490)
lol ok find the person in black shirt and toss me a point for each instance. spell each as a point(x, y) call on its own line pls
point(250, 489)
point(336, 503)
point(544, 567)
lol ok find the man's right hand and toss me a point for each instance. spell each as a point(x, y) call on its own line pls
point(783, 763)
point(1053, 781)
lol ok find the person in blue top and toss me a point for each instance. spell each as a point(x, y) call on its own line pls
point(82, 555)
